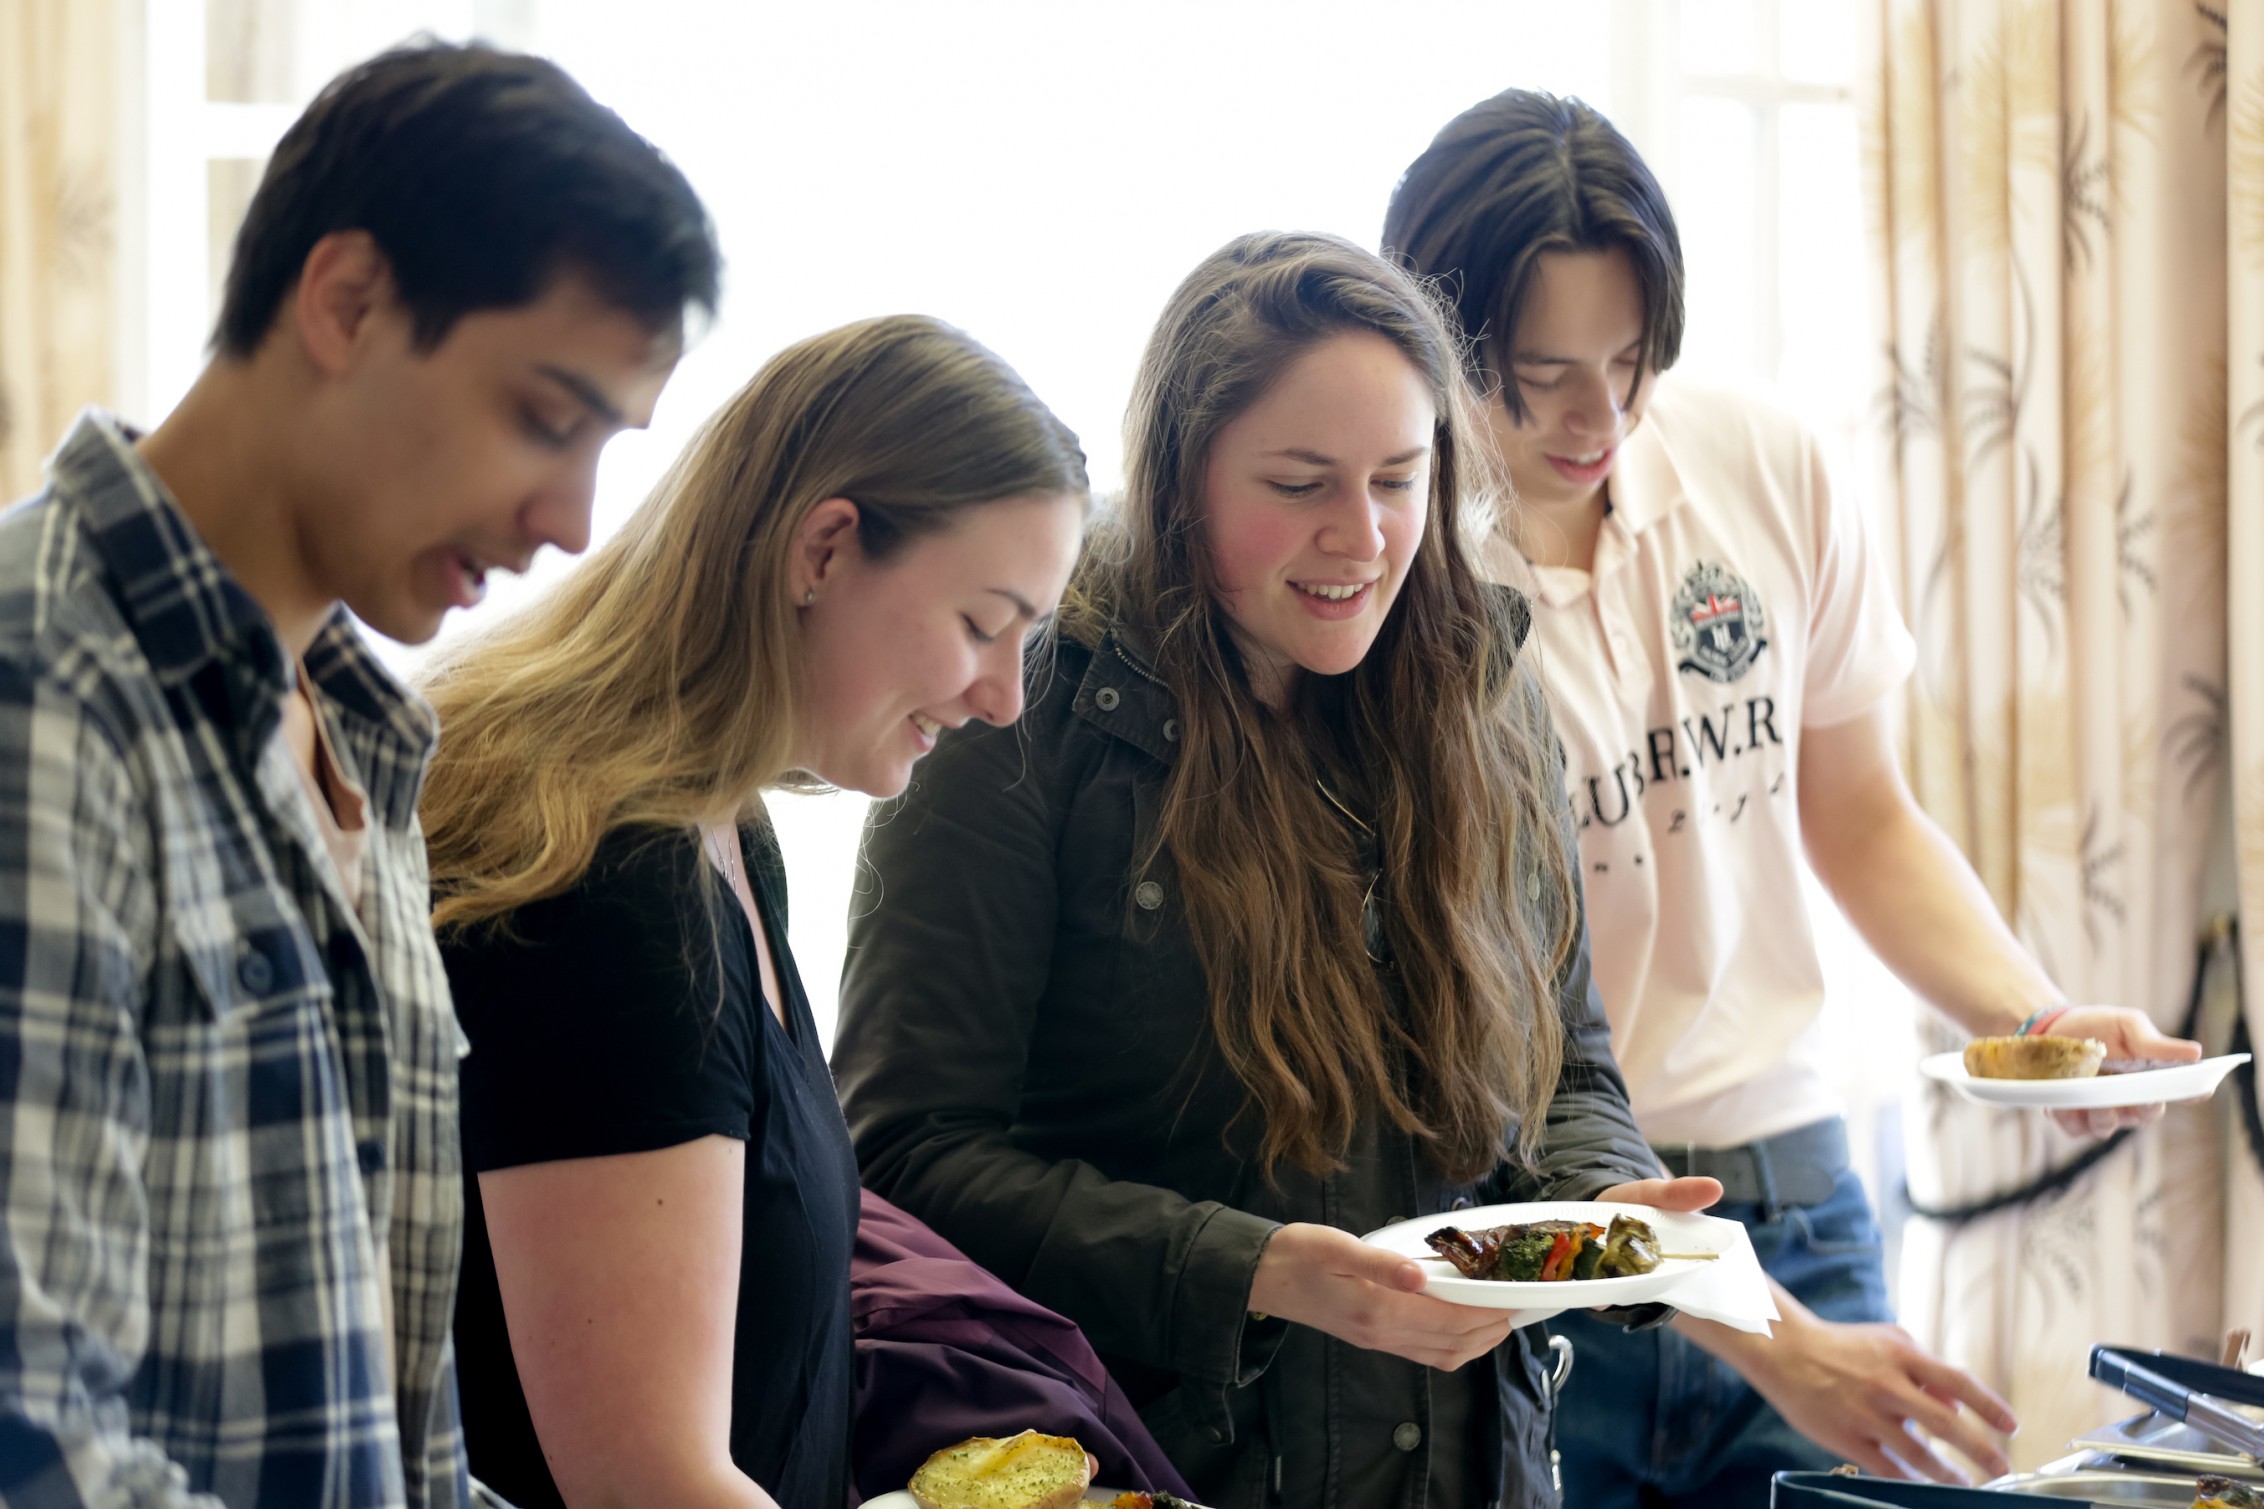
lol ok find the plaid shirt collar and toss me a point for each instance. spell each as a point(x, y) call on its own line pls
point(188, 611)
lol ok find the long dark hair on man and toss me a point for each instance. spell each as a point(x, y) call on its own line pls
point(1517, 178)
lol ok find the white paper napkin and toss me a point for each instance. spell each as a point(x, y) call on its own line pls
point(1732, 1288)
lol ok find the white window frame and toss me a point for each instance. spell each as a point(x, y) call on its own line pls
point(1650, 87)
point(170, 135)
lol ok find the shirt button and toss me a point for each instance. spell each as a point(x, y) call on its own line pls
point(1407, 1435)
point(253, 972)
point(1461, 1202)
point(1106, 699)
point(1171, 730)
point(1217, 1434)
point(1149, 895)
point(370, 1153)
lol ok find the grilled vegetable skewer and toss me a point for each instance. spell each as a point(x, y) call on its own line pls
point(1551, 1251)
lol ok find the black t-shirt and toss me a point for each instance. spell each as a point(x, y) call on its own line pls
point(597, 1028)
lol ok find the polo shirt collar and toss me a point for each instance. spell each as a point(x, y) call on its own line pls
point(1646, 485)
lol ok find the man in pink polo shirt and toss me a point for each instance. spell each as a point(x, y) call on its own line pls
point(1721, 650)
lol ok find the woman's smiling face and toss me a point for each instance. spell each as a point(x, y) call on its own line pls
point(1316, 498)
point(897, 650)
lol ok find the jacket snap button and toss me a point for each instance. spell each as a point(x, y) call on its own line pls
point(253, 972)
point(1171, 730)
point(1461, 1202)
point(1407, 1435)
point(1217, 1434)
point(1149, 895)
point(1106, 699)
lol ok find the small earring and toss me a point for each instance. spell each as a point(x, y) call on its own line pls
point(809, 597)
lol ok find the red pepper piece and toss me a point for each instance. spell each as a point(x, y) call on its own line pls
point(1559, 1251)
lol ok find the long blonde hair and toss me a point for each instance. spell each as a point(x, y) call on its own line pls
point(660, 683)
point(1440, 721)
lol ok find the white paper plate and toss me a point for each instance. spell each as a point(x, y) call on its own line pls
point(2101, 1092)
point(1677, 1233)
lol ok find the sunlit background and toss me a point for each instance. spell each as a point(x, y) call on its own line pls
point(1042, 174)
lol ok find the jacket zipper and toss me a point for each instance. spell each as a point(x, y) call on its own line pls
point(1137, 669)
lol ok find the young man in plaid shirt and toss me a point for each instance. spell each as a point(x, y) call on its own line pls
point(230, 1198)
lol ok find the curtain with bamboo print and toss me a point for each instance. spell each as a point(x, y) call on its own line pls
point(2067, 207)
point(58, 193)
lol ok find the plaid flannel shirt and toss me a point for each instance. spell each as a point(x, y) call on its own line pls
point(221, 1088)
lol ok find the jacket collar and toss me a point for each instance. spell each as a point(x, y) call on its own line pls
point(1121, 694)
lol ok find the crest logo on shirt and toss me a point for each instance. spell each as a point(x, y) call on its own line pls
point(1718, 623)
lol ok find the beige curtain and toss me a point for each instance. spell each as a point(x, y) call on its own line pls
point(2067, 205)
point(58, 199)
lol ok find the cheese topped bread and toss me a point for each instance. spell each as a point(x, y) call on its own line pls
point(1028, 1471)
point(2034, 1057)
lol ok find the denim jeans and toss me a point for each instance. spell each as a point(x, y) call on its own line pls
point(1649, 1420)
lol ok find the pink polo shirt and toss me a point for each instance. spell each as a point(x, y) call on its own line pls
point(1733, 604)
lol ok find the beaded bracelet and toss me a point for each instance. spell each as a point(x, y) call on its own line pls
point(2041, 1022)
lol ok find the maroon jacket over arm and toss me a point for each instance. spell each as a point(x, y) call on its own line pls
point(945, 1351)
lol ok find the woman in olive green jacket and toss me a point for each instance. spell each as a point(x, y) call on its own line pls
point(1260, 931)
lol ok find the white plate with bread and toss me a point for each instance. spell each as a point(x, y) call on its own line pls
point(903, 1499)
point(1028, 1471)
point(2070, 1074)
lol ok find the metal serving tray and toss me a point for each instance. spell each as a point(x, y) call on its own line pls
point(2145, 1490)
point(2155, 1438)
point(2224, 1405)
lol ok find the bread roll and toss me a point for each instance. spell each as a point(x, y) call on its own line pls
point(1028, 1471)
point(2034, 1057)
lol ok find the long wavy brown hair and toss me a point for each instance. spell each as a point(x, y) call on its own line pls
point(661, 683)
point(1440, 730)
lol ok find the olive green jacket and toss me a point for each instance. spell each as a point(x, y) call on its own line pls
point(1025, 1059)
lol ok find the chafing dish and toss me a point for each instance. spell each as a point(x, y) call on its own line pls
point(2103, 1485)
point(2147, 1460)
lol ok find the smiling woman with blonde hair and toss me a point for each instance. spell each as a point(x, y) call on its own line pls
point(845, 561)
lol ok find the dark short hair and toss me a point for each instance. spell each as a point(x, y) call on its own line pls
point(482, 175)
point(1511, 180)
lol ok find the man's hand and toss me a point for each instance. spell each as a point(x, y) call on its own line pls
point(2128, 1034)
point(1858, 1391)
